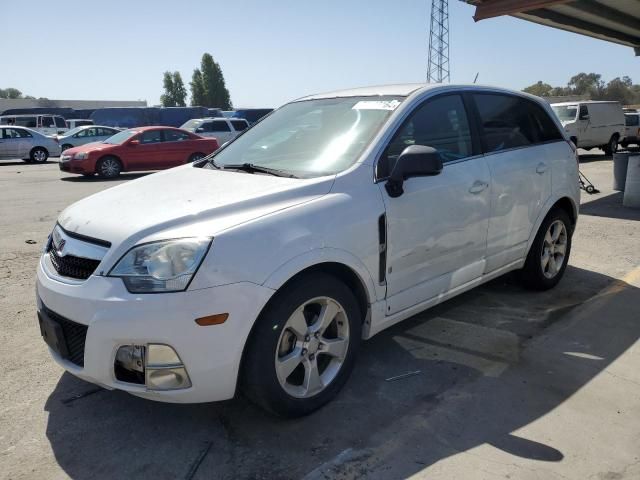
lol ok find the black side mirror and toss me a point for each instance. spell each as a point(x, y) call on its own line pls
point(414, 161)
point(584, 116)
point(199, 130)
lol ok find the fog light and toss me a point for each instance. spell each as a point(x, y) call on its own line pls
point(129, 364)
point(167, 378)
point(164, 369)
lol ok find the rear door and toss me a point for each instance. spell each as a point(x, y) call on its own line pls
point(516, 151)
point(437, 229)
point(177, 147)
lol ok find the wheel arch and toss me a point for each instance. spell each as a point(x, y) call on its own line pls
point(101, 157)
point(565, 203)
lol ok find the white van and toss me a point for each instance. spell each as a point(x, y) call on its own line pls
point(335, 217)
point(45, 124)
point(592, 124)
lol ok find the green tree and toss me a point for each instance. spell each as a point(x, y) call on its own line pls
point(167, 99)
point(209, 82)
point(620, 89)
point(587, 84)
point(179, 91)
point(197, 88)
point(539, 88)
point(10, 93)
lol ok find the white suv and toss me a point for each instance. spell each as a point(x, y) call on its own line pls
point(222, 129)
point(334, 218)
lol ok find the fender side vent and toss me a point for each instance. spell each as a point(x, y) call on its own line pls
point(382, 248)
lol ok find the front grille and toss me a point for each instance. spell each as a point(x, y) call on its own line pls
point(70, 266)
point(75, 335)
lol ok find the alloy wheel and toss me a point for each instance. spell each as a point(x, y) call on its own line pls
point(312, 347)
point(109, 167)
point(554, 249)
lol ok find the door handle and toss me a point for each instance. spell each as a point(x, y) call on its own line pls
point(478, 186)
point(541, 168)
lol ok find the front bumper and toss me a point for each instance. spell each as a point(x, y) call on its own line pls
point(75, 166)
point(116, 317)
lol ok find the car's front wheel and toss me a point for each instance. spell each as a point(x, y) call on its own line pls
point(549, 253)
point(109, 167)
point(303, 346)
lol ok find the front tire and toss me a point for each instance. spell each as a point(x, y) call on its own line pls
point(549, 253)
point(611, 147)
point(303, 346)
point(108, 167)
point(66, 146)
point(39, 155)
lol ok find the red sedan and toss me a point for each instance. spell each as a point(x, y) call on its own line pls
point(144, 148)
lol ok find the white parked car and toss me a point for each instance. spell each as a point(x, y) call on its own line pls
point(631, 129)
point(45, 124)
point(26, 144)
point(339, 215)
point(74, 123)
point(592, 124)
point(222, 129)
point(83, 135)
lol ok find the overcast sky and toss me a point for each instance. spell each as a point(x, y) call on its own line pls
point(271, 52)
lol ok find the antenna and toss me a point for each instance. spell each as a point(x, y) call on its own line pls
point(438, 66)
point(476, 79)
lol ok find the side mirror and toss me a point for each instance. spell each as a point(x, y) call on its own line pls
point(414, 161)
point(199, 130)
point(584, 117)
point(134, 143)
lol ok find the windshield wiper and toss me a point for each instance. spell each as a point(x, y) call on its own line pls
point(252, 168)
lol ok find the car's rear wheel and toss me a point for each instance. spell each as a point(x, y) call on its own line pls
point(66, 146)
point(303, 346)
point(195, 157)
point(549, 253)
point(109, 167)
point(39, 155)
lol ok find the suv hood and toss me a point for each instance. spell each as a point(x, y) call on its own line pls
point(185, 201)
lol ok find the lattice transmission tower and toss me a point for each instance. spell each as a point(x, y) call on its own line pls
point(438, 66)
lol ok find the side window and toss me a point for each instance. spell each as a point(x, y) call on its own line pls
point(105, 132)
point(29, 122)
point(91, 132)
point(220, 126)
point(584, 112)
point(60, 123)
point(47, 122)
point(239, 125)
point(505, 123)
point(16, 133)
point(544, 127)
point(631, 120)
point(82, 133)
point(440, 123)
point(175, 136)
point(151, 136)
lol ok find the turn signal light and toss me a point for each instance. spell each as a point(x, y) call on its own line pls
point(216, 319)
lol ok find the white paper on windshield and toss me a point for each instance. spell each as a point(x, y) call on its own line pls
point(376, 105)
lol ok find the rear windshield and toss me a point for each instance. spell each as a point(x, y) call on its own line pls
point(631, 120)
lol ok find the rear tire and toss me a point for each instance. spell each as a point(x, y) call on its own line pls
point(39, 155)
point(549, 253)
point(292, 368)
point(611, 147)
point(108, 167)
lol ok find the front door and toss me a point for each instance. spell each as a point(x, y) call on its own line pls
point(516, 134)
point(437, 229)
point(148, 154)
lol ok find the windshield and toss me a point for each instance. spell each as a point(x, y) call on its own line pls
point(191, 124)
point(311, 138)
point(566, 112)
point(120, 138)
point(73, 131)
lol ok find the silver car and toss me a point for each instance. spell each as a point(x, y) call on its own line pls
point(85, 134)
point(26, 144)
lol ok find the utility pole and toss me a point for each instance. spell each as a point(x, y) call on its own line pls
point(438, 66)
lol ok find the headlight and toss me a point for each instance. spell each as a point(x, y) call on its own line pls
point(81, 156)
point(165, 266)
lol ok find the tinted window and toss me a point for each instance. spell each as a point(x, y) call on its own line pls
point(239, 125)
point(47, 122)
point(220, 126)
point(545, 128)
point(584, 112)
point(440, 123)
point(106, 132)
point(151, 136)
point(29, 122)
point(60, 123)
point(175, 136)
point(506, 121)
point(16, 133)
point(631, 120)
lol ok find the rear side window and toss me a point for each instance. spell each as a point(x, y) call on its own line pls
point(544, 127)
point(175, 136)
point(151, 136)
point(60, 123)
point(16, 133)
point(29, 122)
point(105, 132)
point(220, 126)
point(440, 123)
point(47, 122)
point(631, 120)
point(506, 122)
point(239, 125)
